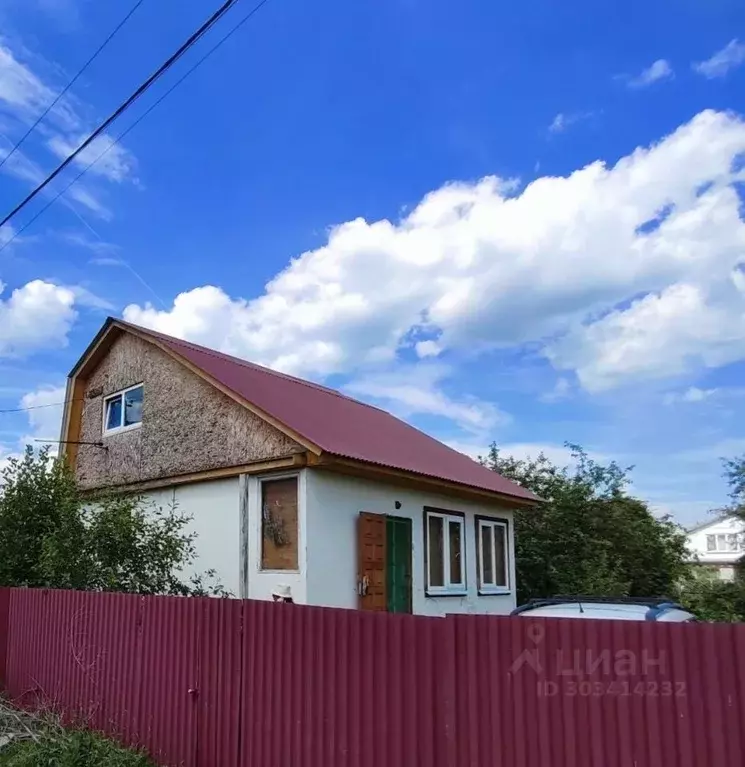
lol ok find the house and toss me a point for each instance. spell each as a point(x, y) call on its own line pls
point(289, 482)
point(718, 544)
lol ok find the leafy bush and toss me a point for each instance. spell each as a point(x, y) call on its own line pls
point(711, 599)
point(72, 748)
point(52, 536)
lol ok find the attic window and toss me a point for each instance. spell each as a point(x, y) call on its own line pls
point(123, 410)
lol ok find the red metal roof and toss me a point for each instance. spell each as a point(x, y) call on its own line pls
point(338, 424)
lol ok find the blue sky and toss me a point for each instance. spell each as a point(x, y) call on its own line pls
point(508, 222)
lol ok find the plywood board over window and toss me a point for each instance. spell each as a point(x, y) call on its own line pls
point(279, 524)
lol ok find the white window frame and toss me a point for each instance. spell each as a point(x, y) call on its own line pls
point(491, 523)
point(449, 588)
point(120, 393)
point(726, 540)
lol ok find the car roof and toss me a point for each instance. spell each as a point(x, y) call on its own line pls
point(660, 610)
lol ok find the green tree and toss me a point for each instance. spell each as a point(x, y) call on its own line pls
point(51, 536)
point(734, 473)
point(712, 599)
point(706, 594)
point(589, 536)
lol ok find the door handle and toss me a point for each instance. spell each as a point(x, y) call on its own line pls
point(363, 584)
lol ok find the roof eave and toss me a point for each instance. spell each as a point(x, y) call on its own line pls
point(368, 469)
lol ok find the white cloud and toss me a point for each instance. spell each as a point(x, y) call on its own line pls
point(559, 455)
point(713, 453)
point(691, 395)
point(562, 390)
point(24, 94)
point(669, 333)
point(659, 70)
point(427, 348)
point(6, 234)
point(45, 414)
point(417, 390)
point(719, 65)
point(37, 316)
point(116, 163)
point(601, 269)
point(99, 247)
point(85, 297)
point(563, 120)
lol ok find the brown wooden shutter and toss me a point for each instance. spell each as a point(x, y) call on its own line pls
point(279, 525)
point(371, 542)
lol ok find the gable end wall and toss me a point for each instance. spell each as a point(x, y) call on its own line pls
point(187, 425)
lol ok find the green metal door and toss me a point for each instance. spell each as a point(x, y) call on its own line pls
point(398, 564)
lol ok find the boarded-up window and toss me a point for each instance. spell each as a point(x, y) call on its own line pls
point(279, 528)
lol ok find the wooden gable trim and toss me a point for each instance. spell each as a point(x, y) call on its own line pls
point(297, 461)
point(75, 390)
point(413, 480)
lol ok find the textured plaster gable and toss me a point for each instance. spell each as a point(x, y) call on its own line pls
point(188, 425)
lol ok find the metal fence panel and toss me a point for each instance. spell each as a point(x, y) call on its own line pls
point(228, 683)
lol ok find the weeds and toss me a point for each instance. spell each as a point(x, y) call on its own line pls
point(39, 741)
point(74, 748)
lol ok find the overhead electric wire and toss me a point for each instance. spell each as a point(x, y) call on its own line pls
point(38, 407)
point(178, 82)
point(162, 69)
point(71, 83)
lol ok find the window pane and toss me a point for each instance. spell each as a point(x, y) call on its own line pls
point(133, 406)
point(456, 565)
point(721, 542)
point(487, 564)
point(279, 526)
point(114, 413)
point(500, 555)
point(732, 541)
point(435, 554)
point(711, 543)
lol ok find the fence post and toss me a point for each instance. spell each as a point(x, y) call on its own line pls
point(446, 708)
point(4, 628)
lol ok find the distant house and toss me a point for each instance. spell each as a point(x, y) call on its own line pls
point(289, 482)
point(718, 544)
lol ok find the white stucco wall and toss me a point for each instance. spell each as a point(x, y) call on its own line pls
point(697, 542)
point(328, 509)
point(214, 508)
point(332, 506)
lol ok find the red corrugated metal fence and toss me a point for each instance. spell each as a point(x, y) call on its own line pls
point(225, 683)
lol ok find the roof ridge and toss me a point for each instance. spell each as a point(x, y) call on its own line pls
point(248, 363)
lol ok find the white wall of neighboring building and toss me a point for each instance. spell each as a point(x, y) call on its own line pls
point(333, 503)
point(724, 560)
point(214, 508)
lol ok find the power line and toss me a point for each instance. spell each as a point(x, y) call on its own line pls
point(39, 407)
point(71, 83)
point(162, 69)
point(178, 82)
